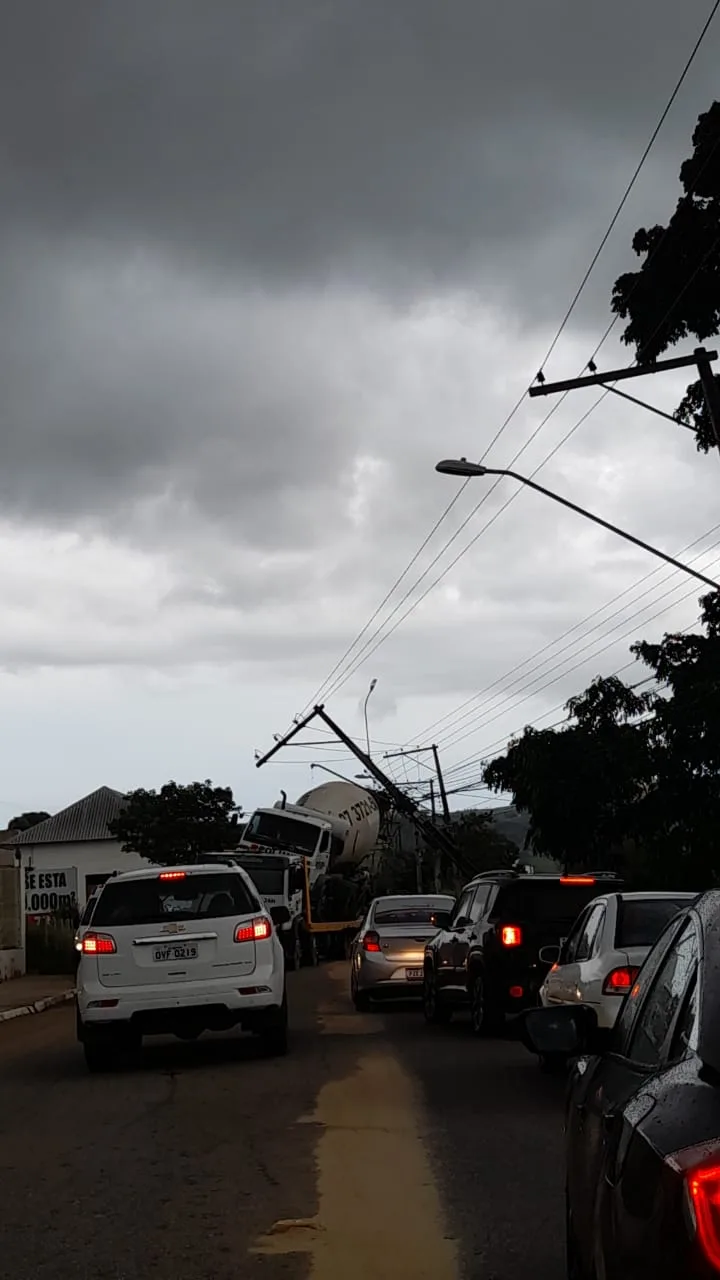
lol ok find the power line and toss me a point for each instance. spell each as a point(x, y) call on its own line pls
point(463, 765)
point(515, 409)
point(436, 728)
point(473, 717)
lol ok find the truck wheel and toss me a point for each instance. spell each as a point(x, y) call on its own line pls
point(309, 949)
point(435, 1009)
point(274, 1032)
point(294, 950)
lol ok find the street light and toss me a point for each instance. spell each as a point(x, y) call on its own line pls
point(365, 713)
point(461, 467)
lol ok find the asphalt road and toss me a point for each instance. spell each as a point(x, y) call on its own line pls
point(377, 1147)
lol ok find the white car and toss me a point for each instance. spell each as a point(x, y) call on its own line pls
point(598, 962)
point(180, 950)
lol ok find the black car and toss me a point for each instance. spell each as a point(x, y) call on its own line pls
point(489, 955)
point(643, 1113)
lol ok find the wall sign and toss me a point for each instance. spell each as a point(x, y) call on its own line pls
point(50, 890)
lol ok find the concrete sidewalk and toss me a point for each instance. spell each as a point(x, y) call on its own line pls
point(34, 993)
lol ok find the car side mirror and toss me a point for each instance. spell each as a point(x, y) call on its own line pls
point(441, 919)
point(462, 922)
point(549, 955)
point(565, 1031)
point(280, 916)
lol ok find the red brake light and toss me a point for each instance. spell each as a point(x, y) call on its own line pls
point(577, 879)
point(701, 1171)
point(173, 875)
point(98, 944)
point(511, 935)
point(371, 942)
point(620, 981)
point(256, 931)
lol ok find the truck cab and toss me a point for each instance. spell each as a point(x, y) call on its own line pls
point(287, 831)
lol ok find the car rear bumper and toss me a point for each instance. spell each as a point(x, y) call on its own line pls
point(159, 1009)
point(389, 978)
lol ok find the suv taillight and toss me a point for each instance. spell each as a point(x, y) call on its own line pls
point(700, 1167)
point(256, 931)
point(371, 941)
point(98, 944)
point(510, 935)
point(620, 981)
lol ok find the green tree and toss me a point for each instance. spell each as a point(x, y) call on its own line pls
point(579, 785)
point(676, 292)
point(178, 823)
point(680, 814)
point(24, 821)
point(482, 845)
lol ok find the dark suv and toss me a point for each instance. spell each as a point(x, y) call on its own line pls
point(488, 958)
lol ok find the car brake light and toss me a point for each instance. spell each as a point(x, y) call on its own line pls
point(511, 935)
point(700, 1168)
point(256, 931)
point(371, 942)
point(98, 944)
point(620, 981)
point(173, 875)
point(577, 879)
point(516, 993)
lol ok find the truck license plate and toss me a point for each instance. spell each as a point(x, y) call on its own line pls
point(176, 951)
point(414, 975)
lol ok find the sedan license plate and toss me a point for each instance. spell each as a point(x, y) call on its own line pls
point(414, 975)
point(176, 951)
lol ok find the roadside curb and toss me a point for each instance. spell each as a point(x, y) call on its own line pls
point(39, 1006)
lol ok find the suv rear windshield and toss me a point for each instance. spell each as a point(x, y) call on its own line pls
point(152, 901)
point(640, 923)
point(542, 903)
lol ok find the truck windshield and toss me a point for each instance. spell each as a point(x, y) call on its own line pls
point(280, 829)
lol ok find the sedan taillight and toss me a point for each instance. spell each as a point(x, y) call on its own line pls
point(700, 1168)
point(98, 944)
point(371, 941)
point(256, 931)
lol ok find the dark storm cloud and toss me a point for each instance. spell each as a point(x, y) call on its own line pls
point(411, 141)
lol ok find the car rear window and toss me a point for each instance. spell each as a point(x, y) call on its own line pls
point(409, 915)
point(207, 895)
point(640, 923)
point(555, 903)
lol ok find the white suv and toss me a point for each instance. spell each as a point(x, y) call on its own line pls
point(179, 950)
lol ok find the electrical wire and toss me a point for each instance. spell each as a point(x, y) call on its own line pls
point(321, 690)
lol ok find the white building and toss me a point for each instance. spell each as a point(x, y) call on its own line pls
point(73, 851)
point(12, 915)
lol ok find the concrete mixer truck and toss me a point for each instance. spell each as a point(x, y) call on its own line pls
point(332, 829)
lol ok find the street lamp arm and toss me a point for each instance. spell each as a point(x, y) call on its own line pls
point(605, 524)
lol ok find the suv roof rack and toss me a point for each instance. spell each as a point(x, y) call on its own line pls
point(508, 873)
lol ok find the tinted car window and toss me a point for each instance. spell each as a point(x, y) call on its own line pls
point(544, 903)
point(667, 993)
point(479, 902)
point(463, 906)
point(154, 901)
point(407, 915)
point(640, 922)
point(589, 932)
point(686, 1029)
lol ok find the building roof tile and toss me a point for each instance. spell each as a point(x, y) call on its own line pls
point(87, 819)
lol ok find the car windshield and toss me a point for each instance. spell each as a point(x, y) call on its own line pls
point(641, 921)
point(206, 895)
point(279, 828)
point(410, 912)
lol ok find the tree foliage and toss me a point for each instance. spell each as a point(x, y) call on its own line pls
point(676, 292)
point(178, 823)
point(633, 781)
point(24, 821)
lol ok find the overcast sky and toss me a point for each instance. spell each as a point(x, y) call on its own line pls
point(262, 263)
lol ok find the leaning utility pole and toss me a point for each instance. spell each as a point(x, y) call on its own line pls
point(435, 837)
point(700, 358)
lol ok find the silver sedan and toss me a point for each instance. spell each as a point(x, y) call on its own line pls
point(386, 959)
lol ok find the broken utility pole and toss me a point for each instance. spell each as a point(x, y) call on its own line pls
point(415, 751)
point(700, 358)
point(436, 838)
